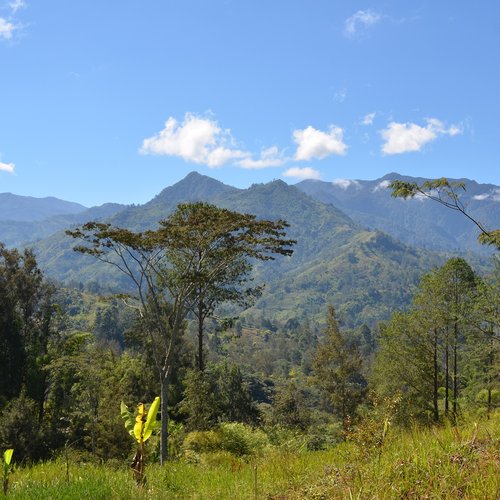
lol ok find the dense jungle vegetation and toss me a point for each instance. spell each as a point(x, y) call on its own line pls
point(253, 407)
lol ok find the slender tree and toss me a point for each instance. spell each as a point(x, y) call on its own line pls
point(139, 256)
point(212, 249)
point(337, 369)
point(458, 286)
point(423, 349)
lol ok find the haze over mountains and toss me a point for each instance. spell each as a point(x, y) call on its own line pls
point(418, 221)
point(366, 273)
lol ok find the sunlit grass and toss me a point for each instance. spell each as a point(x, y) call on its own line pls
point(432, 463)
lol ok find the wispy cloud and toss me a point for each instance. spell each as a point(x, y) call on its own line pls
point(302, 173)
point(16, 5)
point(368, 119)
point(340, 95)
point(381, 185)
point(269, 157)
point(407, 137)
point(7, 167)
point(345, 183)
point(316, 144)
point(360, 21)
point(492, 195)
point(9, 25)
point(6, 29)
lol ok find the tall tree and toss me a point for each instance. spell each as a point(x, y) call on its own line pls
point(337, 369)
point(406, 364)
point(26, 311)
point(212, 249)
point(200, 254)
point(423, 349)
point(139, 256)
point(459, 292)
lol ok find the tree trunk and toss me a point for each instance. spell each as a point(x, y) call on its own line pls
point(436, 381)
point(164, 418)
point(447, 376)
point(201, 365)
point(489, 381)
point(455, 369)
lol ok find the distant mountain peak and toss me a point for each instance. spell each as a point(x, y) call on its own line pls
point(28, 208)
point(193, 187)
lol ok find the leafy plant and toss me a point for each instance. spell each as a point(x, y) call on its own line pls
point(141, 428)
point(7, 458)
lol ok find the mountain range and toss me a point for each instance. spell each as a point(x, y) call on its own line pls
point(418, 221)
point(341, 256)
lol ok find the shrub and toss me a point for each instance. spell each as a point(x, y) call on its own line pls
point(202, 441)
point(241, 439)
point(235, 438)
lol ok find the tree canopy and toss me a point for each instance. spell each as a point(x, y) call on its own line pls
point(199, 257)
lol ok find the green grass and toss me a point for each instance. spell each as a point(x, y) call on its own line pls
point(439, 463)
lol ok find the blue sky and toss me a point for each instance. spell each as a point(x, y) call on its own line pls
point(113, 101)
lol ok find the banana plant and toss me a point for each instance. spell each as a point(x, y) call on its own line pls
point(140, 427)
point(7, 459)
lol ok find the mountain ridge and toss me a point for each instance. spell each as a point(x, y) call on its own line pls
point(366, 274)
point(419, 222)
point(15, 207)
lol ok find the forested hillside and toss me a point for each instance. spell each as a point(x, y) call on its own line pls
point(417, 222)
point(365, 273)
point(270, 324)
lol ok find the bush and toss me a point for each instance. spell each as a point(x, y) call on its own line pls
point(235, 438)
point(20, 430)
point(202, 441)
point(241, 439)
point(286, 438)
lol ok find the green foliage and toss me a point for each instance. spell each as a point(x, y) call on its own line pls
point(218, 394)
point(337, 371)
point(26, 314)
point(442, 352)
point(233, 437)
point(444, 462)
point(21, 429)
point(141, 426)
point(6, 468)
point(289, 408)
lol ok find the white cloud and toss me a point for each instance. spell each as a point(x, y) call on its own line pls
point(302, 173)
point(313, 143)
point(406, 137)
point(493, 195)
point(481, 197)
point(6, 29)
point(269, 157)
point(345, 183)
point(16, 5)
point(221, 155)
point(368, 119)
point(196, 139)
point(361, 20)
point(381, 185)
point(7, 167)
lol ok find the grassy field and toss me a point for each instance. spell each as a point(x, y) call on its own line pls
point(447, 462)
